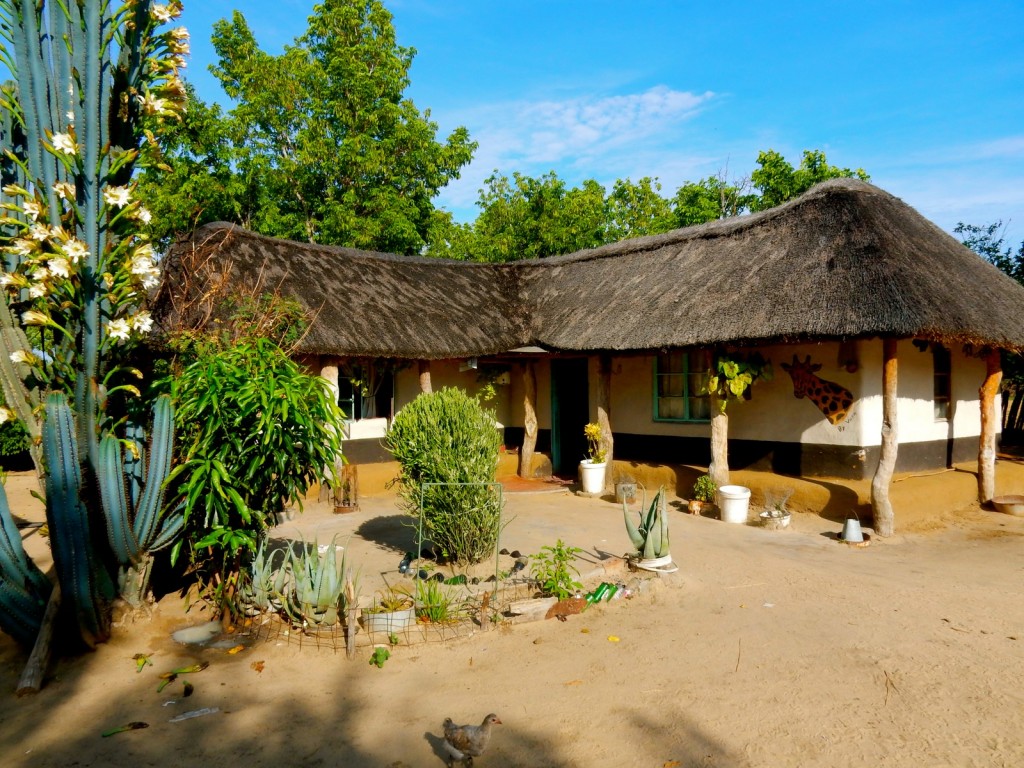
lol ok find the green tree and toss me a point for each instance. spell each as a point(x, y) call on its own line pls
point(637, 209)
point(255, 433)
point(321, 143)
point(990, 243)
point(711, 199)
point(777, 180)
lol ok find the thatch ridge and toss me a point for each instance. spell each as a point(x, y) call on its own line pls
point(845, 260)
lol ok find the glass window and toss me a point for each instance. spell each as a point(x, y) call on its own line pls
point(678, 383)
point(943, 394)
point(368, 398)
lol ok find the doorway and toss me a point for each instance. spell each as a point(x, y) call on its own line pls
point(570, 412)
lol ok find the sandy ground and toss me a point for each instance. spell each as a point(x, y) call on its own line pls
point(765, 649)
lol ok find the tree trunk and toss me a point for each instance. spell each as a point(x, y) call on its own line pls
point(719, 467)
point(604, 412)
point(987, 442)
point(425, 377)
point(881, 506)
point(529, 419)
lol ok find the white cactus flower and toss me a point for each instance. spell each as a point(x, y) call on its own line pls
point(64, 190)
point(23, 356)
point(75, 250)
point(32, 209)
point(64, 142)
point(118, 329)
point(59, 267)
point(6, 414)
point(118, 197)
point(34, 317)
point(143, 322)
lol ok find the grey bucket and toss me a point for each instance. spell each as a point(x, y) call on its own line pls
point(851, 530)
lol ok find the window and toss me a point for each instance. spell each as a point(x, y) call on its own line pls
point(357, 405)
point(943, 394)
point(678, 382)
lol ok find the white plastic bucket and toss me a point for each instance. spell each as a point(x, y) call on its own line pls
point(734, 503)
point(592, 476)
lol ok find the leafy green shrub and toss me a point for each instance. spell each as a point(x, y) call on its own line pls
point(255, 432)
point(448, 437)
point(705, 489)
point(554, 572)
point(14, 439)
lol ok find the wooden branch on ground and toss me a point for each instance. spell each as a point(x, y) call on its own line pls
point(32, 677)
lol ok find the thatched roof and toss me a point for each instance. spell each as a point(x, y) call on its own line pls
point(845, 260)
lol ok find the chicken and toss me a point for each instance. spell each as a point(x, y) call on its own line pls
point(464, 742)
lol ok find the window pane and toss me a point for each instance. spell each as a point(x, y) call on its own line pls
point(700, 408)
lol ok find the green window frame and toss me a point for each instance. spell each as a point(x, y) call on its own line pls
point(678, 380)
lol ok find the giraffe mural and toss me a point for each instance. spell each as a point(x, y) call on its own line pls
point(832, 399)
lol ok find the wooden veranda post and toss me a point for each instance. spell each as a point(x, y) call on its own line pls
point(529, 419)
point(604, 411)
point(425, 377)
point(881, 506)
point(987, 442)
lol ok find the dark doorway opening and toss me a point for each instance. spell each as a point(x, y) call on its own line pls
point(570, 411)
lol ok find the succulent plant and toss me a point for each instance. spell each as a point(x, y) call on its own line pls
point(264, 583)
point(318, 585)
point(650, 535)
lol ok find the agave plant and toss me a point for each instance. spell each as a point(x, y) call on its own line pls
point(650, 534)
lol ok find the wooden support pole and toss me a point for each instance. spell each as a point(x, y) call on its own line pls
point(425, 386)
point(881, 506)
point(604, 412)
point(32, 676)
point(987, 442)
point(529, 419)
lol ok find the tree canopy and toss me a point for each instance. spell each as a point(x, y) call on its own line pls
point(320, 143)
point(524, 217)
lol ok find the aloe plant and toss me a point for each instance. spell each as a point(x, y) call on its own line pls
point(318, 585)
point(650, 534)
point(263, 584)
point(91, 84)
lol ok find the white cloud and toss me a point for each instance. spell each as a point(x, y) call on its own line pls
point(585, 133)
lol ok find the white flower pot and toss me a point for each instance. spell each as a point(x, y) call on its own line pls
point(592, 476)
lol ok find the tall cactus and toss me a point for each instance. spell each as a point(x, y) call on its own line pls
point(91, 85)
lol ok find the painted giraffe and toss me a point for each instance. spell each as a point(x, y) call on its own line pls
point(832, 399)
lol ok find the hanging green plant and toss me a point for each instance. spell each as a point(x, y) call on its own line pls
point(731, 376)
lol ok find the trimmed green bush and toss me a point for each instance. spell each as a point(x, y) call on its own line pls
point(448, 437)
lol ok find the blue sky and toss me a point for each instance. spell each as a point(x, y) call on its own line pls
point(927, 97)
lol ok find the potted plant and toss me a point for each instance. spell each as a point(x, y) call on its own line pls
point(704, 492)
point(650, 534)
point(593, 467)
point(392, 610)
point(775, 516)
